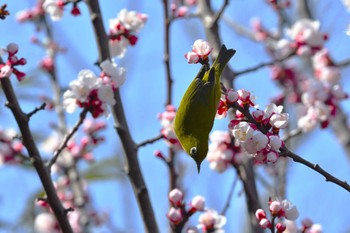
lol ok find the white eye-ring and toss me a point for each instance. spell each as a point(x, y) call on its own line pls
point(193, 151)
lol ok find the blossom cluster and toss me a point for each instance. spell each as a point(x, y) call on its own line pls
point(178, 215)
point(200, 52)
point(181, 8)
point(280, 210)
point(55, 8)
point(33, 14)
point(307, 226)
point(9, 67)
point(10, 147)
point(123, 31)
point(317, 98)
point(76, 150)
point(92, 92)
point(223, 151)
point(258, 131)
point(166, 119)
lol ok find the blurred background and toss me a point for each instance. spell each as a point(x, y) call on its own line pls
point(144, 96)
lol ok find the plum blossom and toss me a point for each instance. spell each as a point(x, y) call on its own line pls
point(9, 67)
point(226, 99)
point(200, 51)
point(307, 37)
point(175, 215)
point(198, 203)
point(123, 30)
point(211, 221)
point(242, 131)
point(46, 223)
point(54, 8)
point(222, 152)
point(112, 73)
point(176, 197)
point(167, 122)
point(10, 148)
point(90, 92)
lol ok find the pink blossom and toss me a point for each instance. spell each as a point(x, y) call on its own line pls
point(54, 8)
point(258, 115)
point(210, 220)
point(46, 223)
point(291, 212)
point(280, 227)
point(192, 57)
point(174, 215)
point(202, 48)
point(198, 203)
point(242, 131)
point(316, 228)
point(5, 71)
point(279, 121)
point(260, 214)
point(264, 223)
point(176, 197)
point(275, 207)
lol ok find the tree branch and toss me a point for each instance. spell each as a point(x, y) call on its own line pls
point(28, 141)
point(329, 178)
point(130, 148)
point(68, 137)
point(264, 64)
point(150, 141)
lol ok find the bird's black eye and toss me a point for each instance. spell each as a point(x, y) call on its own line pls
point(193, 151)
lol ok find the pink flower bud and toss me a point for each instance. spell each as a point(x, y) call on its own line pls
point(22, 61)
point(232, 96)
point(307, 223)
point(275, 207)
point(198, 202)
point(260, 214)
point(132, 39)
point(264, 223)
point(5, 71)
point(280, 227)
point(244, 95)
point(12, 48)
point(259, 115)
point(279, 121)
point(176, 197)
point(192, 58)
point(20, 75)
point(202, 48)
point(271, 157)
point(275, 142)
point(182, 11)
point(174, 215)
point(75, 10)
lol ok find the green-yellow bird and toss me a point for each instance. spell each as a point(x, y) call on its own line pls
point(195, 115)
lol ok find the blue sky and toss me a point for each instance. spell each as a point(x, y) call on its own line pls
point(143, 96)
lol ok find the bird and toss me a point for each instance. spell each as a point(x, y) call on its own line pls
point(196, 113)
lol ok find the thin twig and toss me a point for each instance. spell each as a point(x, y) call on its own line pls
point(343, 63)
point(37, 109)
point(293, 133)
point(229, 197)
point(329, 178)
point(150, 141)
point(264, 64)
point(67, 138)
point(219, 13)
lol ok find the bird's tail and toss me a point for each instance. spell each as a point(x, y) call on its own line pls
point(222, 59)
